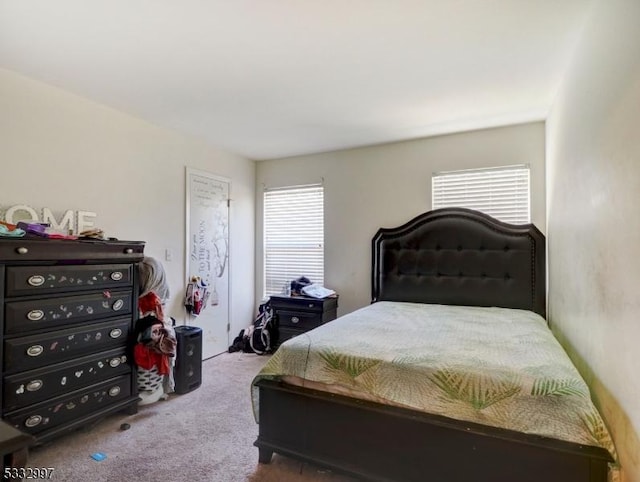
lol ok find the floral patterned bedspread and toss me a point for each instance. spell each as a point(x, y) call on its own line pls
point(494, 366)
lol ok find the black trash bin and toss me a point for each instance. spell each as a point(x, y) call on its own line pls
point(188, 368)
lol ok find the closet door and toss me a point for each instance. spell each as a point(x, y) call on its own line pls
point(207, 218)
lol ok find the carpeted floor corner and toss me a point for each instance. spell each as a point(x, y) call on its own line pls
point(205, 435)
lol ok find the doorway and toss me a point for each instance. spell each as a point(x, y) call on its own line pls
point(207, 260)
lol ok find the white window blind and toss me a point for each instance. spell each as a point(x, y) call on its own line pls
point(501, 192)
point(293, 236)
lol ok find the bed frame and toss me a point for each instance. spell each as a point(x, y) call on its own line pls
point(446, 256)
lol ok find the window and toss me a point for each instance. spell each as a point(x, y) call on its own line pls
point(501, 192)
point(293, 236)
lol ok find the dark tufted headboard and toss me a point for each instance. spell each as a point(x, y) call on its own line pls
point(458, 256)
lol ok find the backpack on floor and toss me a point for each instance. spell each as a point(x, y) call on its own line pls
point(263, 330)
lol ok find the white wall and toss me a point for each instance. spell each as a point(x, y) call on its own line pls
point(385, 186)
point(593, 222)
point(65, 152)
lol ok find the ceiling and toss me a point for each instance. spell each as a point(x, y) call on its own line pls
point(277, 78)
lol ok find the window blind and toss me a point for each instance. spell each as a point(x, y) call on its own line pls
point(501, 192)
point(293, 236)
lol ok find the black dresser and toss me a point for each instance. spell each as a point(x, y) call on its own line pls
point(68, 309)
point(298, 314)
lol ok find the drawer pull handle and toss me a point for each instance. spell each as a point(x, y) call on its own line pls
point(128, 250)
point(36, 280)
point(114, 362)
point(35, 315)
point(311, 305)
point(22, 250)
point(34, 385)
point(118, 305)
point(115, 333)
point(113, 391)
point(295, 319)
point(33, 421)
point(116, 275)
point(35, 350)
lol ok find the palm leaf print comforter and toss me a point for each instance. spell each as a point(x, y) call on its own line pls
point(495, 366)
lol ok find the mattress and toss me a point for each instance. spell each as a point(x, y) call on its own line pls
point(494, 366)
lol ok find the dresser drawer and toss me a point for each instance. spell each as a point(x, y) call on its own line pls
point(27, 280)
point(52, 313)
point(26, 388)
point(34, 351)
point(57, 411)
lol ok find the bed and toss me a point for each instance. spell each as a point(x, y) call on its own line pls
point(484, 394)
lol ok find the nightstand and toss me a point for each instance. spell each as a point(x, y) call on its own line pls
point(14, 446)
point(297, 314)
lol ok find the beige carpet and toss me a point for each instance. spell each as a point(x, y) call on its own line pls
point(205, 435)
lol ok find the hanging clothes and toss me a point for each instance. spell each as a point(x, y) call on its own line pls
point(155, 341)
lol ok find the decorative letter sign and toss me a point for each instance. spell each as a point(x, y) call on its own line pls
point(65, 224)
point(80, 220)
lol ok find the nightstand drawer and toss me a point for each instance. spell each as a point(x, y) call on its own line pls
point(300, 303)
point(300, 320)
point(286, 333)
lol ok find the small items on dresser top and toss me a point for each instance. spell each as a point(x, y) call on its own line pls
point(317, 291)
point(44, 230)
point(303, 286)
point(94, 233)
point(8, 230)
